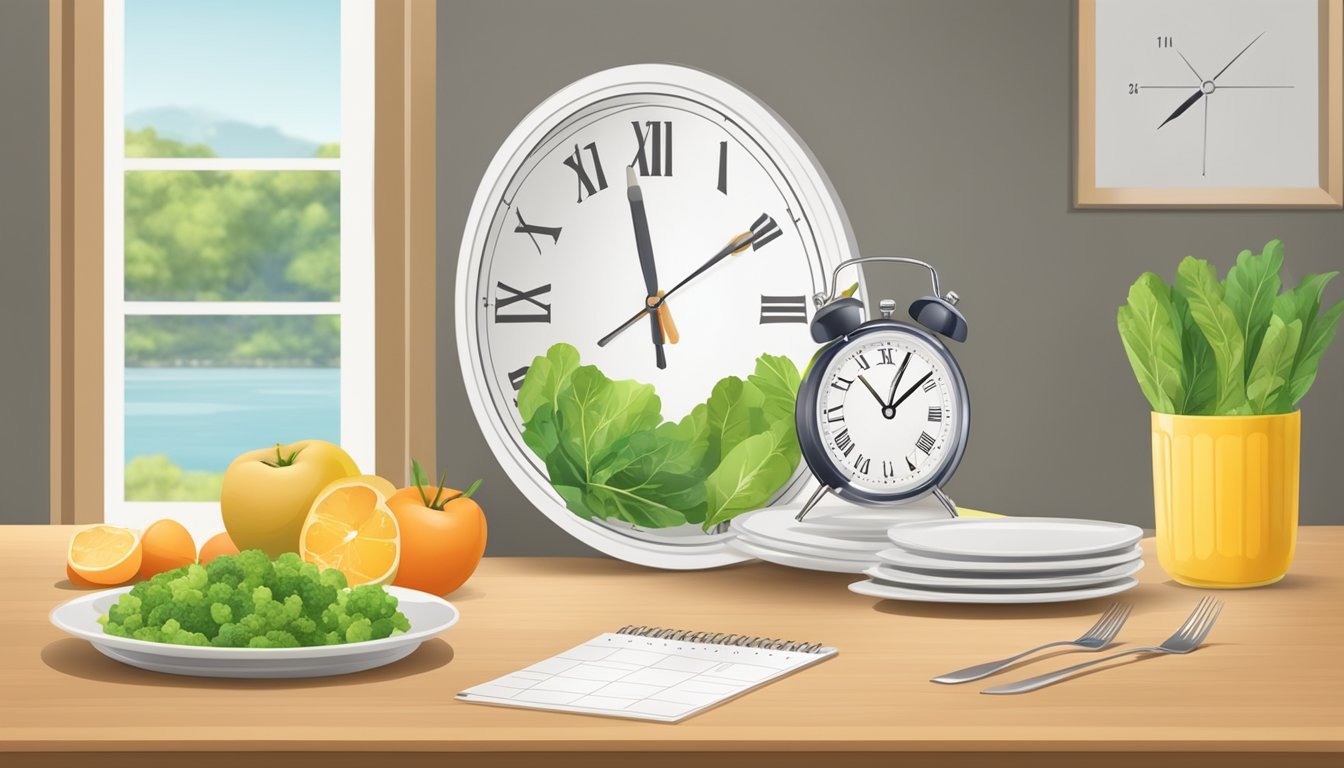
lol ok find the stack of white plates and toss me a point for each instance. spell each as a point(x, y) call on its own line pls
point(834, 536)
point(1005, 560)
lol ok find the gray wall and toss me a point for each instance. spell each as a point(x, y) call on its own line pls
point(946, 128)
point(24, 276)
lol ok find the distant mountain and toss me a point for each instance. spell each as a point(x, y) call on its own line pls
point(229, 138)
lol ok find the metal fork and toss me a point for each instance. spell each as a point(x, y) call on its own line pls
point(1098, 637)
point(1186, 639)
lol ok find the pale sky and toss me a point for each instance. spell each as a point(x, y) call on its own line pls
point(267, 62)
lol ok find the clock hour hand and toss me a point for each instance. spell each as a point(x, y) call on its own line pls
point(876, 396)
point(1196, 96)
point(644, 246)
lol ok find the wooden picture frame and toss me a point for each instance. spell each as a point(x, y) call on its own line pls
point(1329, 193)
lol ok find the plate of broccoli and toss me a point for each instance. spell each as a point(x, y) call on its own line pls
point(250, 617)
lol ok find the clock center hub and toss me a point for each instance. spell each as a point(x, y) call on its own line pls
point(1207, 87)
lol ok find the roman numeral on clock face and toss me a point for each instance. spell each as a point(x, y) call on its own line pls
point(935, 413)
point(886, 356)
point(516, 378)
point(532, 231)
point(783, 309)
point(862, 464)
point(576, 164)
point(835, 414)
point(925, 443)
point(654, 157)
point(863, 362)
point(888, 469)
point(723, 167)
point(764, 230)
point(841, 383)
point(844, 442)
point(528, 314)
point(930, 385)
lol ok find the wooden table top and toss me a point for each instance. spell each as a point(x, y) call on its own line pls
point(1270, 680)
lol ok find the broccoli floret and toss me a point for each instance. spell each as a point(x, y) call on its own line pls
point(247, 600)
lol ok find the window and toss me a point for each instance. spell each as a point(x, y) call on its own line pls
point(239, 293)
point(239, 241)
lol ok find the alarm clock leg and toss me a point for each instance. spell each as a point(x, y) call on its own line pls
point(811, 502)
point(947, 503)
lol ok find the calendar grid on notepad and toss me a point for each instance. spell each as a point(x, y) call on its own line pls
point(644, 677)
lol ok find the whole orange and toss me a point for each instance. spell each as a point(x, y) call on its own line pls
point(219, 544)
point(440, 548)
point(167, 545)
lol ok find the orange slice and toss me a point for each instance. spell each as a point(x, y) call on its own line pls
point(351, 529)
point(105, 554)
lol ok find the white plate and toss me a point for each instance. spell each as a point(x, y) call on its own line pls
point(778, 526)
point(900, 557)
point(886, 592)
point(898, 577)
point(1013, 537)
point(836, 514)
point(429, 615)
point(868, 556)
point(793, 560)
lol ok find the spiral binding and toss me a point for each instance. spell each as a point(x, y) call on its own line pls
point(720, 638)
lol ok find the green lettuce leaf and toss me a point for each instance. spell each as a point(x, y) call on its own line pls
point(595, 413)
point(1318, 330)
point(1147, 323)
point(1273, 365)
point(1250, 289)
point(735, 412)
point(751, 473)
point(777, 379)
point(1198, 375)
point(609, 455)
point(1198, 283)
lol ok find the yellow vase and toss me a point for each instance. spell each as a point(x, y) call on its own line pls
point(1225, 496)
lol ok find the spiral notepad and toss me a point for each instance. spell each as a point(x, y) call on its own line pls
point(649, 673)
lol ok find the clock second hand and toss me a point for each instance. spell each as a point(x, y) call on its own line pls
point(737, 244)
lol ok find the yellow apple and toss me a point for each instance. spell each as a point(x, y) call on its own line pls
point(267, 493)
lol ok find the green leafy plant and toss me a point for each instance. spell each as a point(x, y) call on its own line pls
point(1231, 347)
point(610, 455)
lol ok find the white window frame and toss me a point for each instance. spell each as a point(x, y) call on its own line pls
point(355, 306)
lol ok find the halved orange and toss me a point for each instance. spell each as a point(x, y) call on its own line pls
point(105, 554)
point(351, 529)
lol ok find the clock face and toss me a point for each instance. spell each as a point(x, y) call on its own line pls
point(891, 413)
point(1207, 93)
point(556, 251)
point(561, 262)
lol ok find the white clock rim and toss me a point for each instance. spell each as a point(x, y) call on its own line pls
point(835, 241)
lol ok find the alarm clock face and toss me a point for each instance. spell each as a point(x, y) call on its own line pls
point(891, 412)
point(550, 255)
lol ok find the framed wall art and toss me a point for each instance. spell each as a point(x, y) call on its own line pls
point(1210, 104)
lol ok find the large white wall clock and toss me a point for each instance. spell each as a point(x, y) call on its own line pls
point(1210, 103)
point(550, 254)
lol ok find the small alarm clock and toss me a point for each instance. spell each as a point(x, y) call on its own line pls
point(883, 415)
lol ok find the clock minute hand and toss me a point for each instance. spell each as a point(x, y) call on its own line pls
point(1238, 56)
point(896, 382)
point(912, 389)
point(738, 243)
